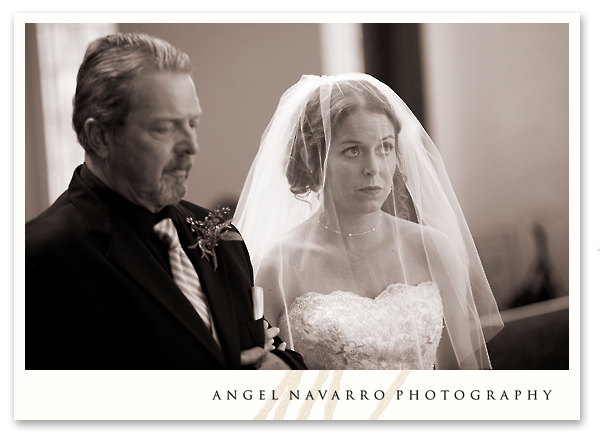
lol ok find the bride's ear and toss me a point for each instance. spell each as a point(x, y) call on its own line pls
point(98, 137)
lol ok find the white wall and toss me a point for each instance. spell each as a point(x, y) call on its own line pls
point(497, 100)
point(240, 72)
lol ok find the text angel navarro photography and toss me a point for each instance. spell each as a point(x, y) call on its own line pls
point(399, 395)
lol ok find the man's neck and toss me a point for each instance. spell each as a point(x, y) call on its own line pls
point(98, 171)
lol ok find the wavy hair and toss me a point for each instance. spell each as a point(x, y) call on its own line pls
point(305, 167)
point(107, 75)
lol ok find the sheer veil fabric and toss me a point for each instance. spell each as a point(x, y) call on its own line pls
point(348, 194)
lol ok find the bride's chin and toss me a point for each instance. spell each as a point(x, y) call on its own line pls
point(367, 210)
point(356, 207)
point(372, 206)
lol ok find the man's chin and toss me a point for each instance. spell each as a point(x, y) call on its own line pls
point(169, 195)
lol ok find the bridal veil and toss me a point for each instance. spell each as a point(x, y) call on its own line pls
point(299, 227)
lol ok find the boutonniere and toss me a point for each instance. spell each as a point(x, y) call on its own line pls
point(210, 231)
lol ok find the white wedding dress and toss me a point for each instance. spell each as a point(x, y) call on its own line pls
point(400, 329)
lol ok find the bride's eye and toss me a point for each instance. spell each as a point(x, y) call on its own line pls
point(351, 152)
point(387, 147)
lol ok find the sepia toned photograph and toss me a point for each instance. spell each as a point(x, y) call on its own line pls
point(310, 196)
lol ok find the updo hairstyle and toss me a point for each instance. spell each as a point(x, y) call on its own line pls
point(308, 151)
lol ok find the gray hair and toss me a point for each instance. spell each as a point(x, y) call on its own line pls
point(106, 77)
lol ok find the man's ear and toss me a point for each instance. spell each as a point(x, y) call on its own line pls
point(98, 137)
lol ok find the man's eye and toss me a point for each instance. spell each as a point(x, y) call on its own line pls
point(162, 129)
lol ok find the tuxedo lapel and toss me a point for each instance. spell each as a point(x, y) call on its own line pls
point(215, 286)
point(127, 252)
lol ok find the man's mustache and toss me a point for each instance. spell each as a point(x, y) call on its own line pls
point(184, 162)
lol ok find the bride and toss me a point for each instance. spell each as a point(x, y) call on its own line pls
point(357, 238)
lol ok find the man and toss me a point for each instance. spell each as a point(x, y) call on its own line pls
point(103, 290)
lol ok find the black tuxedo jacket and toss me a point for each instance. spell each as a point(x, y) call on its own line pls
point(96, 298)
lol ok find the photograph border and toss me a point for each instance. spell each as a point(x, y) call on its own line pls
point(203, 395)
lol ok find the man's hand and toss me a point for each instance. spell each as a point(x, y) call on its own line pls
point(270, 334)
point(253, 357)
point(273, 362)
point(261, 359)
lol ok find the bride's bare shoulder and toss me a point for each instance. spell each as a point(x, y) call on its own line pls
point(421, 235)
point(291, 242)
point(407, 229)
point(279, 259)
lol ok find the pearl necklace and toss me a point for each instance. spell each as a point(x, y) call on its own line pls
point(350, 234)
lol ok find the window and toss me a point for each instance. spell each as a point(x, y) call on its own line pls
point(61, 47)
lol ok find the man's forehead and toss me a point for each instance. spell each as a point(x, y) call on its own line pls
point(166, 92)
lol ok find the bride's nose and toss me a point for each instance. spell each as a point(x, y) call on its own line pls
point(370, 165)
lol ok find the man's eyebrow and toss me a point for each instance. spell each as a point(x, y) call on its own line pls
point(171, 118)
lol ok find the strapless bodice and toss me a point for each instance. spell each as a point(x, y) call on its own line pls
point(400, 329)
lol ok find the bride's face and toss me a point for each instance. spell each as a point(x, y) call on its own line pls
point(361, 162)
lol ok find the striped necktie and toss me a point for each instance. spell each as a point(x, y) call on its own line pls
point(184, 274)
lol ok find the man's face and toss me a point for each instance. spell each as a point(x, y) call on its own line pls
point(151, 155)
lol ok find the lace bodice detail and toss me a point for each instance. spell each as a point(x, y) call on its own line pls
point(400, 329)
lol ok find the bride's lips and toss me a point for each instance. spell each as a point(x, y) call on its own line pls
point(371, 190)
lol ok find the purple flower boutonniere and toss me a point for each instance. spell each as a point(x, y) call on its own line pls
point(210, 231)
